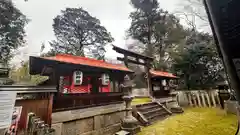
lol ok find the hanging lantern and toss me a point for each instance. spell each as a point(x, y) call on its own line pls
point(78, 77)
point(105, 79)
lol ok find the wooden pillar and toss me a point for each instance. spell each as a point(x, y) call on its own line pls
point(198, 99)
point(95, 84)
point(208, 100)
point(113, 84)
point(50, 106)
point(149, 82)
point(119, 87)
point(203, 99)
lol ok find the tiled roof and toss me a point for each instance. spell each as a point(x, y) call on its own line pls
point(87, 61)
point(162, 74)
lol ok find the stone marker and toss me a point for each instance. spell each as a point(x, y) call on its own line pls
point(194, 100)
point(213, 99)
point(203, 99)
point(198, 99)
point(208, 100)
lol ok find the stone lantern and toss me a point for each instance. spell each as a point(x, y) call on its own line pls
point(4, 75)
point(129, 123)
point(223, 92)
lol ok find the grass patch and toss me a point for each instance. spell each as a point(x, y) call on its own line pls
point(137, 101)
point(195, 121)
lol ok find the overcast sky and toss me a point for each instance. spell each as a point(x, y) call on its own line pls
point(113, 14)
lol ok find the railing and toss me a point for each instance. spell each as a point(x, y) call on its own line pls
point(66, 102)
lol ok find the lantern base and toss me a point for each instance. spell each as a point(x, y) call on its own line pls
point(130, 124)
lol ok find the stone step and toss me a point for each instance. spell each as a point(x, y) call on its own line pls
point(150, 112)
point(157, 116)
point(160, 113)
point(147, 107)
point(146, 104)
point(177, 110)
point(123, 132)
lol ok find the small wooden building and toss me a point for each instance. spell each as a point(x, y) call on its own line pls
point(162, 83)
point(91, 91)
point(89, 98)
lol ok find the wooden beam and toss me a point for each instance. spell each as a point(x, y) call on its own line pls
point(131, 61)
point(50, 106)
point(132, 54)
point(114, 85)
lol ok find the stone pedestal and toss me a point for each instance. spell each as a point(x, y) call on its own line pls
point(129, 123)
point(174, 106)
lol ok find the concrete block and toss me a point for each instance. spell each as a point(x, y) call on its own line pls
point(71, 115)
point(98, 122)
point(69, 128)
point(84, 125)
point(58, 128)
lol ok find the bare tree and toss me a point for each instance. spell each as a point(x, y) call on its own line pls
point(194, 10)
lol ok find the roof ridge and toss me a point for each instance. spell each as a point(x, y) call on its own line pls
point(162, 73)
point(80, 57)
point(87, 58)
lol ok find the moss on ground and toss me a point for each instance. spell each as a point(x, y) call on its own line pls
point(137, 101)
point(195, 121)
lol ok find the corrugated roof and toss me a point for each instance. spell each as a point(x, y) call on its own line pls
point(162, 74)
point(87, 61)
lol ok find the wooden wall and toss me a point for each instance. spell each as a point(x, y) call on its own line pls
point(84, 100)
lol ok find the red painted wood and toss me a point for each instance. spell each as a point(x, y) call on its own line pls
point(85, 87)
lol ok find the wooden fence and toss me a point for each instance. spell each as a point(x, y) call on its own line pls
point(198, 98)
point(42, 107)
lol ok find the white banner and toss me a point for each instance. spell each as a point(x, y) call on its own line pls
point(7, 102)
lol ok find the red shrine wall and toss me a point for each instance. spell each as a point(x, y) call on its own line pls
point(85, 87)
